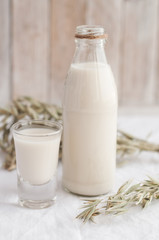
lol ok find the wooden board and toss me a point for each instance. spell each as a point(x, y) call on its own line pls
point(4, 51)
point(157, 59)
point(30, 55)
point(138, 52)
point(65, 16)
point(37, 46)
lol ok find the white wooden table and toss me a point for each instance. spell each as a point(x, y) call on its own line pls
point(58, 222)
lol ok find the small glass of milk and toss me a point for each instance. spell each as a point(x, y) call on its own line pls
point(37, 147)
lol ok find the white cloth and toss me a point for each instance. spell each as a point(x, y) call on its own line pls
point(58, 222)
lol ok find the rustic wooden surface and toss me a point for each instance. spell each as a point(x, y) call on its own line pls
point(30, 49)
point(157, 59)
point(138, 52)
point(4, 51)
point(37, 45)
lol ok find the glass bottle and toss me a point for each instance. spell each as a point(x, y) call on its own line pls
point(89, 117)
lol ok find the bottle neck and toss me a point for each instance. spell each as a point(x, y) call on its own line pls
point(90, 50)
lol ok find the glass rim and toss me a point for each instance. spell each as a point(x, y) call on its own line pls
point(16, 127)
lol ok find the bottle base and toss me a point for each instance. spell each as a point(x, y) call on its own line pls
point(87, 191)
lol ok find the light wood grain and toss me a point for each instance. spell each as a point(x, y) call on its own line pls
point(30, 59)
point(66, 15)
point(108, 13)
point(37, 46)
point(157, 59)
point(4, 51)
point(138, 52)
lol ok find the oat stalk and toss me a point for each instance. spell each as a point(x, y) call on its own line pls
point(126, 197)
point(129, 144)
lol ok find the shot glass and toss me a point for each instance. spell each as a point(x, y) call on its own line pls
point(37, 147)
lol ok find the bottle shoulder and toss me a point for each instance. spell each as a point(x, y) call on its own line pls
point(90, 85)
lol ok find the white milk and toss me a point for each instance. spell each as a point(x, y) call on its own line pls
point(37, 157)
point(89, 137)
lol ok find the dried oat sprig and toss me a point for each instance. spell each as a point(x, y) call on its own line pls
point(128, 144)
point(90, 211)
point(126, 197)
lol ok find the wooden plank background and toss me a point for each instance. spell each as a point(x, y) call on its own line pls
point(5, 87)
point(30, 48)
point(37, 45)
